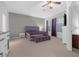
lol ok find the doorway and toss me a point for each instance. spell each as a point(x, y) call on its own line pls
point(53, 30)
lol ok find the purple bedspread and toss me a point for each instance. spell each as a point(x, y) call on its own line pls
point(34, 30)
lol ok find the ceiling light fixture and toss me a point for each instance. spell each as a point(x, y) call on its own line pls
point(50, 3)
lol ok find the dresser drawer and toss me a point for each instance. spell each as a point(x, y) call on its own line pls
point(75, 41)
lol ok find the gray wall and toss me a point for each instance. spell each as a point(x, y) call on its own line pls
point(18, 22)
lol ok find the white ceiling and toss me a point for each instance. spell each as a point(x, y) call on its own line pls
point(33, 8)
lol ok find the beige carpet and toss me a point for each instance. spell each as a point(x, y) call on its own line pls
point(50, 48)
point(75, 50)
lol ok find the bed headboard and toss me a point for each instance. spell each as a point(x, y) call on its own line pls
point(31, 28)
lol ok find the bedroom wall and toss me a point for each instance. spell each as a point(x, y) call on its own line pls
point(18, 22)
point(75, 20)
point(59, 24)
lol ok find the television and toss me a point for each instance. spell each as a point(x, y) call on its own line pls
point(65, 19)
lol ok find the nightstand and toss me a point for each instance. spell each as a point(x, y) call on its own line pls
point(75, 41)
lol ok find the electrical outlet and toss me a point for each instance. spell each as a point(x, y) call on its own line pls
point(65, 44)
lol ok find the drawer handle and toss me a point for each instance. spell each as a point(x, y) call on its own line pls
point(2, 39)
point(1, 54)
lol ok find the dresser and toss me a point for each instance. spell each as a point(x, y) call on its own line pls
point(75, 41)
point(4, 44)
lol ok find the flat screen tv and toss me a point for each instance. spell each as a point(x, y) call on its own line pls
point(65, 19)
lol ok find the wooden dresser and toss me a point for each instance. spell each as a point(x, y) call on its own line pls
point(75, 41)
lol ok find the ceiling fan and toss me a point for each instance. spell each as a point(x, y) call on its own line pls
point(50, 3)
